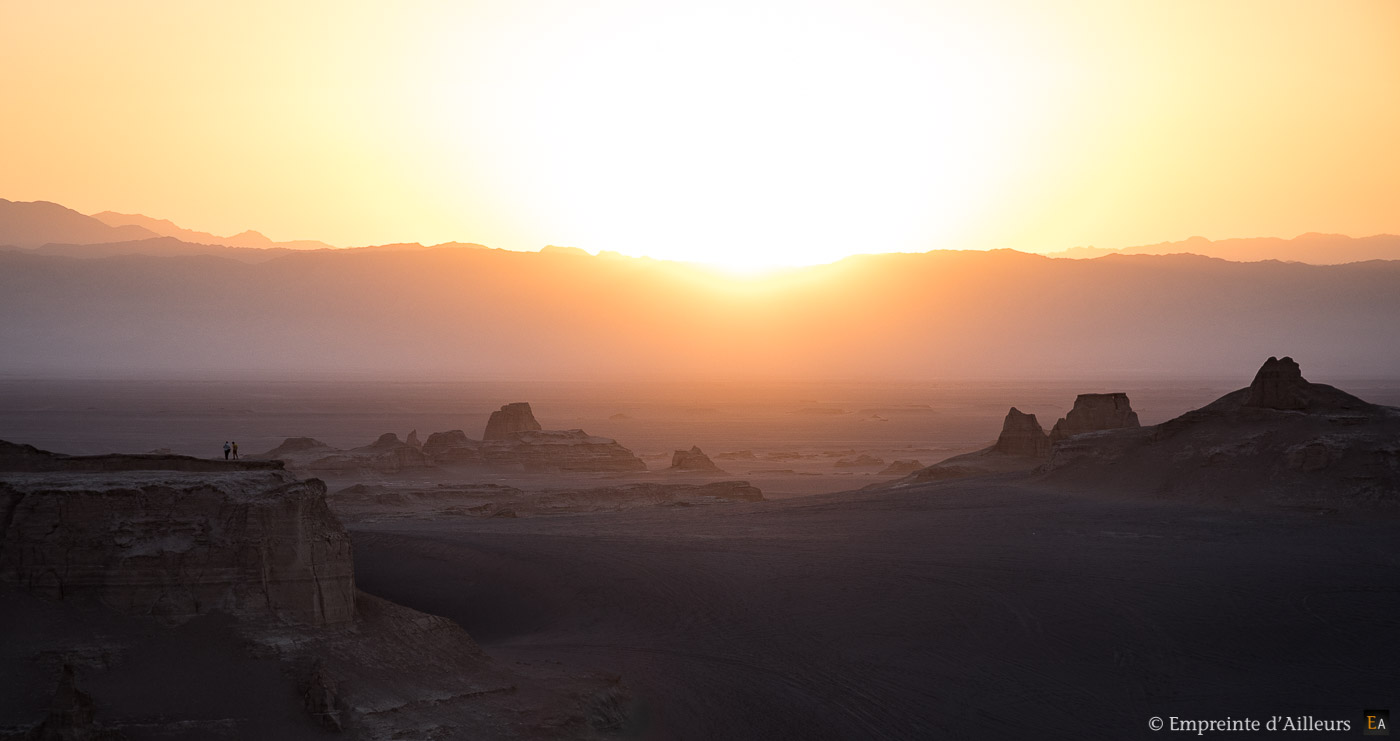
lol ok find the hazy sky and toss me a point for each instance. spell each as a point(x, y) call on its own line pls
point(742, 132)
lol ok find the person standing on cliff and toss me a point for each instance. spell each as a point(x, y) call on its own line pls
point(235, 451)
point(226, 450)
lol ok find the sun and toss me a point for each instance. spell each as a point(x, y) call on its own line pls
point(755, 138)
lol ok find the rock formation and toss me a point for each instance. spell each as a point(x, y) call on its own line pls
point(693, 460)
point(860, 461)
point(559, 450)
point(72, 715)
point(413, 439)
point(901, 467)
point(386, 441)
point(249, 576)
point(1279, 384)
point(509, 419)
point(295, 446)
point(1021, 434)
point(1282, 439)
point(149, 536)
point(387, 454)
point(530, 450)
point(1094, 413)
point(1023, 444)
point(452, 447)
point(321, 698)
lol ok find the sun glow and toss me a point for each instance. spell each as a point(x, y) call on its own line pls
point(741, 133)
point(755, 137)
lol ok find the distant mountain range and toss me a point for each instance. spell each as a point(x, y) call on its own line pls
point(479, 313)
point(159, 305)
point(50, 229)
point(166, 228)
point(34, 224)
point(1316, 249)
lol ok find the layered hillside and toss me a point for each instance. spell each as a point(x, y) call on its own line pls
point(1282, 439)
point(223, 594)
point(174, 537)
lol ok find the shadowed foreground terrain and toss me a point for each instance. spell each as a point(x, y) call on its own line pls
point(1237, 560)
point(991, 608)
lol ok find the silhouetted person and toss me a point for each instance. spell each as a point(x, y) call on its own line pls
point(226, 450)
point(235, 451)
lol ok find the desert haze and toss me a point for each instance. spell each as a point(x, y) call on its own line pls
point(151, 308)
point(532, 369)
point(783, 506)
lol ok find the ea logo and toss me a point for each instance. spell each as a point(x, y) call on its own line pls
point(1375, 723)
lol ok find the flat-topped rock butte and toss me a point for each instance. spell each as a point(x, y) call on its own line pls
point(174, 537)
point(1094, 412)
point(252, 560)
point(511, 418)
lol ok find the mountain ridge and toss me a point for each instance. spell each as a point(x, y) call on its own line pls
point(497, 313)
point(1312, 248)
point(36, 224)
point(166, 228)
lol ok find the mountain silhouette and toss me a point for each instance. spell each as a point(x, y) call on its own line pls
point(30, 224)
point(1315, 249)
point(452, 313)
point(166, 228)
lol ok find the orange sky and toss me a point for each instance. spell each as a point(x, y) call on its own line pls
point(740, 132)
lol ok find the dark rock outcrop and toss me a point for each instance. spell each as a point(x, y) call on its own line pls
point(174, 543)
point(321, 698)
point(1095, 413)
point(531, 450)
point(72, 715)
point(1282, 439)
point(860, 461)
point(901, 467)
point(1021, 434)
point(413, 439)
point(260, 548)
point(388, 454)
point(386, 441)
point(295, 446)
point(1279, 384)
point(509, 419)
point(1023, 444)
point(559, 450)
point(693, 460)
point(452, 447)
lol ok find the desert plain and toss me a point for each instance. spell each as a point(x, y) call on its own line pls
point(848, 603)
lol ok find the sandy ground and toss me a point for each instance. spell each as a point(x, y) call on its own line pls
point(988, 609)
point(967, 610)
